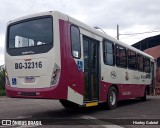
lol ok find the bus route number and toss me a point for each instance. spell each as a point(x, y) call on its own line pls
point(28, 65)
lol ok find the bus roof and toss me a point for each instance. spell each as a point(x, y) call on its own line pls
point(83, 26)
point(106, 36)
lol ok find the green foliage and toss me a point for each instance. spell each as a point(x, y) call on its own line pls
point(2, 92)
point(2, 81)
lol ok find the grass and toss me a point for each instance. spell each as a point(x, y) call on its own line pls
point(2, 92)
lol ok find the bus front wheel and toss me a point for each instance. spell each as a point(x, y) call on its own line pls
point(112, 98)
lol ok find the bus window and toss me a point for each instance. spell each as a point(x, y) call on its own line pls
point(140, 60)
point(132, 62)
point(121, 59)
point(147, 65)
point(30, 36)
point(75, 40)
point(30, 32)
point(108, 52)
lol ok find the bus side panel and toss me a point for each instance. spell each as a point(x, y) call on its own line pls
point(125, 91)
point(64, 62)
point(73, 78)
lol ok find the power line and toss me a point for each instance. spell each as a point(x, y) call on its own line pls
point(128, 37)
point(141, 32)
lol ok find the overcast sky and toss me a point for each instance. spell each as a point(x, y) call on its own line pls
point(133, 16)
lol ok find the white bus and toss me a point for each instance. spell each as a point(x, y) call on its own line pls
point(53, 56)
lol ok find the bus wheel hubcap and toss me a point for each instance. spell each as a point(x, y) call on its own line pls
point(112, 98)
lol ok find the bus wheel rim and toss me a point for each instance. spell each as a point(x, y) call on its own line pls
point(112, 98)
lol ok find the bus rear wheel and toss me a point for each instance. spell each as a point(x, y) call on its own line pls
point(68, 104)
point(112, 98)
point(145, 96)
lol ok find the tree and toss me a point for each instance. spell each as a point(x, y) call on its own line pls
point(2, 77)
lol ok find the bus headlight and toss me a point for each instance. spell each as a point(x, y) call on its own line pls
point(55, 74)
point(6, 78)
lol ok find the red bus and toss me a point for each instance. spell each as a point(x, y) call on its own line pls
point(53, 56)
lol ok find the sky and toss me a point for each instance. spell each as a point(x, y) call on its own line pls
point(132, 16)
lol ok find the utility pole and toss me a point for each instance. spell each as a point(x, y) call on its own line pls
point(117, 32)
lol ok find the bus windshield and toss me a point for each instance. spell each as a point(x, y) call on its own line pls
point(30, 33)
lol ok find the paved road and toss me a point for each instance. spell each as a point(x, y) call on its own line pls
point(32, 109)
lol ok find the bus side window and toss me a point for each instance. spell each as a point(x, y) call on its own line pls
point(140, 60)
point(121, 59)
point(75, 42)
point(147, 65)
point(108, 52)
point(132, 61)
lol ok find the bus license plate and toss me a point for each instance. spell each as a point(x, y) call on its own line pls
point(29, 80)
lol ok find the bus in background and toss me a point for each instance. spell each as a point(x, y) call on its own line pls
point(53, 56)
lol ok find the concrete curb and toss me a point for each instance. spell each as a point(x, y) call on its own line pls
point(3, 96)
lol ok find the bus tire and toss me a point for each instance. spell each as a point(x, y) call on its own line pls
point(145, 96)
point(68, 104)
point(112, 98)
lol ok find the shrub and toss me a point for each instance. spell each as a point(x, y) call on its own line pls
point(2, 92)
point(2, 77)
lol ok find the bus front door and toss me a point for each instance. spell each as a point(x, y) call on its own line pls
point(91, 69)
